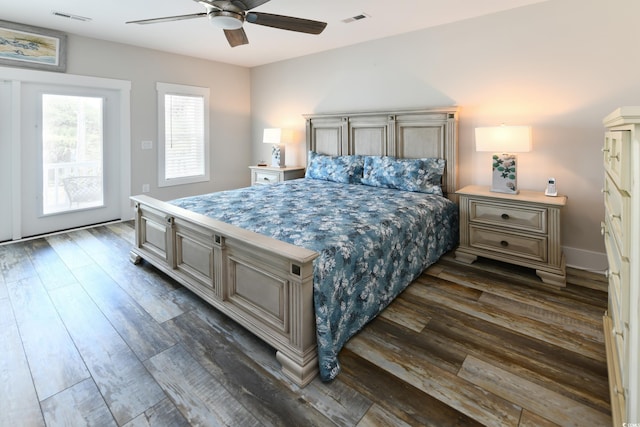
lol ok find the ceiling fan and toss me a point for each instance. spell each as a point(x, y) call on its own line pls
point(229, 15)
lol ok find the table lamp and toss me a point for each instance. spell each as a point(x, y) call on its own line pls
point(503, 141)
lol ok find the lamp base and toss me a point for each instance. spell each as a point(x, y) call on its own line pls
point(504, 178)
point(277, 156)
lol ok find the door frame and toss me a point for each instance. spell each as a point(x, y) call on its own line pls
point(17, 77)
point(7, 114)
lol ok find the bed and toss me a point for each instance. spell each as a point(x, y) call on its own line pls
point(304, 264)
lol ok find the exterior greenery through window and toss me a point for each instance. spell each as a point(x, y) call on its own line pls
point(183, 121)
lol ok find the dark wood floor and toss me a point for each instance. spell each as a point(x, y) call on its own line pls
point(86, 338)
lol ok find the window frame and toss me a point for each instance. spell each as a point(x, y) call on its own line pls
point(164, 89)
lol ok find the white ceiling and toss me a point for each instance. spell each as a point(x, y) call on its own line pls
point(196, 37)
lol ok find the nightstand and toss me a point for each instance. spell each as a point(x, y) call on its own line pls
point(522, 229)
point(268, 175)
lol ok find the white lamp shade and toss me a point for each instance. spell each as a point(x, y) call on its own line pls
point(504, 139)
point(272, 136)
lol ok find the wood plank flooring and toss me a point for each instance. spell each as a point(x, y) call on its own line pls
point(87, 338)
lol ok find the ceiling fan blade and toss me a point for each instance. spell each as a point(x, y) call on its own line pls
point(168, 19)
point(236, 37)
point(286, 22)
point(248, 4)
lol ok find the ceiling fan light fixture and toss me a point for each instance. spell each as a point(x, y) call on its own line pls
point(226, 20)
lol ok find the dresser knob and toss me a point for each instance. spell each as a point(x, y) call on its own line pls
point(504, 243)
point(608, 273)
point(603, 229)
point(616, 157)
point(605, 150)
point(604, 191)
point(504, 216)
point(616, 216)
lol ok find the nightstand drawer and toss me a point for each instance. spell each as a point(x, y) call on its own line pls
point(262, 175)
point(510, 244)
point(522, 218)
point(266, 177)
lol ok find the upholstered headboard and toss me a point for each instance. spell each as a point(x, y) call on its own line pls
point(404, 134)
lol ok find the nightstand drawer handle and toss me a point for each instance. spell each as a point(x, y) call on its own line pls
point(504, 243)
point(504, 216)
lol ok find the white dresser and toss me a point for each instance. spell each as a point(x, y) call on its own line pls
point(621, 231)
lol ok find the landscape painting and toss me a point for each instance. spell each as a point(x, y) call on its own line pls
point(32, 47)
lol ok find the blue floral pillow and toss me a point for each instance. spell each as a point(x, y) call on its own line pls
point(343, 169)
point(417, 175)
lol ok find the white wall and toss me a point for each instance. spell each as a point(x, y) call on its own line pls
point(559, 66)
point(229, 109)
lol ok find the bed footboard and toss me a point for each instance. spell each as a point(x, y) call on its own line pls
point(264, 284)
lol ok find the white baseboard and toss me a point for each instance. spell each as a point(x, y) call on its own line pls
point(581, 259)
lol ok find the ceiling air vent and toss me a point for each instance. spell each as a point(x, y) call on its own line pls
point(70, 16)
point(356, 18)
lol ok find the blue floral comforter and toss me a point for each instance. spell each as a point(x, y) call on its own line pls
point(373, 242)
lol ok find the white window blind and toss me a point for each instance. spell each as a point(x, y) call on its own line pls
point(183, 136)
point(183, 132)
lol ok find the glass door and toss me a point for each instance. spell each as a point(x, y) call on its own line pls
point(69, 158)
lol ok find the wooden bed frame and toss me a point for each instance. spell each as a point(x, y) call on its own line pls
point(264, 284)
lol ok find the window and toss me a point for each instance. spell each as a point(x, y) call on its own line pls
point(72, 152)
point(183, 134)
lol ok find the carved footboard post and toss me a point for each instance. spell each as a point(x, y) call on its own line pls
point(133, 256)
point(301, 363)
point(219, 266)
point(170, 235)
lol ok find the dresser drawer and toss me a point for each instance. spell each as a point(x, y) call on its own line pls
point(618, 276)
point(617, 158)
point(618, 213)
point(510, 244)
point(619, 332)
point(522, 218)
point(266, 177)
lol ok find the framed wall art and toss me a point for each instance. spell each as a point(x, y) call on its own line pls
point(32, 47)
